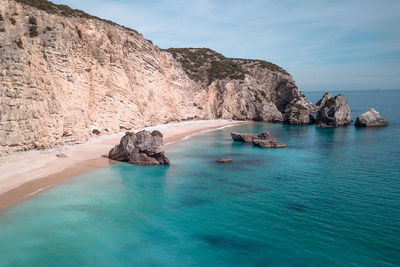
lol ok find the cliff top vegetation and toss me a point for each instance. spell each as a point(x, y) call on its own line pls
point(205, 65)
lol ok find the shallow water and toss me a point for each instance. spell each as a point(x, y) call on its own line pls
point(331, 198)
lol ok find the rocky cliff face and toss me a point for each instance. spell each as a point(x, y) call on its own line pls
point(240, 89)
point(66, 76)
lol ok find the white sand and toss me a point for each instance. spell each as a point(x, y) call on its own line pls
point(24, 167)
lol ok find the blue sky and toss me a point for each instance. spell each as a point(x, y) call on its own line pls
point(324, 44)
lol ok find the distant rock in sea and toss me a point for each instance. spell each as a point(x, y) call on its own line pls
point(142, 148)
point(224, 160)
point(371, 118)
point(263, 140)
point(334, 111)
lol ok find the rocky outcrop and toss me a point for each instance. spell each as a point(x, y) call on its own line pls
point(300, 111)
point(66, 76)
point(142, 148)
point(240, 89)
point(334, 111)
point(323, 100)
point(248, 138)
point(263, 140)
point(371, 118)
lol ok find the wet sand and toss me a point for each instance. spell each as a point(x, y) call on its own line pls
point(27, 173)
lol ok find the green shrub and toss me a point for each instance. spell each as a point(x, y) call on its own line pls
point(156, 133)
point(64, 10)
point(264, 94)
point(1, 17)
point(78, 31)
point(205, 65)
point(301, 107)
point(48, 28)
point(32, 20)
point(330, 102)
point(33, 31)
point(13, 21)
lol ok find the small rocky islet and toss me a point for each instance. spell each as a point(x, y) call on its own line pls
point(371, 118)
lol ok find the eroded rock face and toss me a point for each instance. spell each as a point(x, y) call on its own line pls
point(334, 112)
point(323, 100)
point(142, 148)
point(371, 118)
point(263, 140)
point(239, 89)
point(67, 76)
point(300, 111)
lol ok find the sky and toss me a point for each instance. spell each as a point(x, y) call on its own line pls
point(325, 44)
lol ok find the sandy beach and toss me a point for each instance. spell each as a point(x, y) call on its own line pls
point(27, 173)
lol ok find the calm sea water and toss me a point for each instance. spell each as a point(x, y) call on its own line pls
point(331, 198)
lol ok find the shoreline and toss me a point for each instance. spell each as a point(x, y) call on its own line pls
point(25, 174)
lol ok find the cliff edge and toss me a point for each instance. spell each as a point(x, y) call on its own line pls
point(66, 76)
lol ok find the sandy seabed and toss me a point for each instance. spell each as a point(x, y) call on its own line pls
point(27, 173)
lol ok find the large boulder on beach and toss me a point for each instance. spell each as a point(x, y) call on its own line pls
point(371, 118)
point(334, 112)
point(263, 140)
point(142, 148)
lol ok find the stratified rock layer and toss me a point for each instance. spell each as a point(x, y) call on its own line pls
point(334, 111)
point(142, 148)
point(371, 118)
point(66, 76)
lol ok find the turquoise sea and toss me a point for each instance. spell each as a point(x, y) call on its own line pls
point(330, 198)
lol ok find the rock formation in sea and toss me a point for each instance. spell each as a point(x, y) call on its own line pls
point(143, 148)
point(323, 100)
point(334, 111)
point(224, 160)
point(371, 118)
point(263, 139)
point(299, 111)
point(66, 76)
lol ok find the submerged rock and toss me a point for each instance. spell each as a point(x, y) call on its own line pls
point(334, 111)
point(270, 143)
point(371, 118)
point(224, 160)
point(263, 140)
point(142, 148)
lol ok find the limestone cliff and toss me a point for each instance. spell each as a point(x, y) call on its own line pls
point(66, 75)
point(241, 89)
